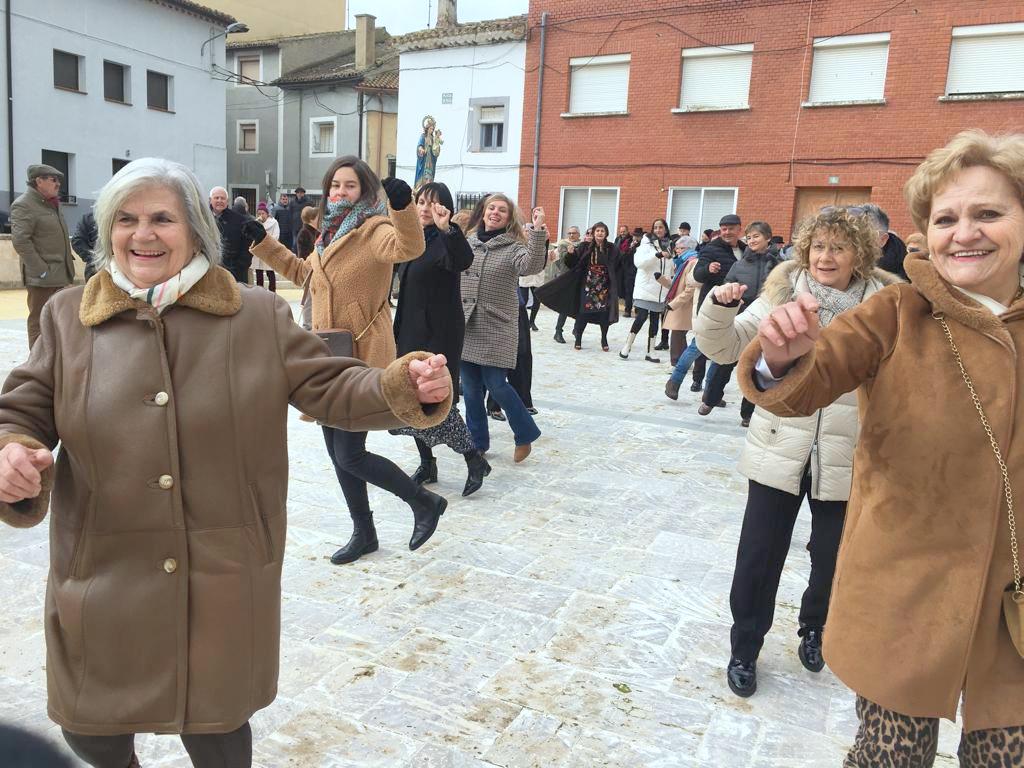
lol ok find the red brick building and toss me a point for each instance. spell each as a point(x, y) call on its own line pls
point(771, 108)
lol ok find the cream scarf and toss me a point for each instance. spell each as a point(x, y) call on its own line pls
point(165, 294)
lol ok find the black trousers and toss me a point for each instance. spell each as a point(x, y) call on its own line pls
point(560, 325)
point(761, 554)
point(207, 750)
point(626, 289)
point(699, 369)
point(642, 316)
point(716, 389)
point(520, 377)
point(535, 309)
point(355, 467)
point(581, 325)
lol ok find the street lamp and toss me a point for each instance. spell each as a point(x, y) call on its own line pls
point(228, 30)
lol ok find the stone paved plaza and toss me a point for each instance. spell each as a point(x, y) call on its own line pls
point(573, 613)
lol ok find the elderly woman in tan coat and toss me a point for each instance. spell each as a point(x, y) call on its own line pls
point(349, 280)
point(927, 602)
point(788, 459)
point(167, 502)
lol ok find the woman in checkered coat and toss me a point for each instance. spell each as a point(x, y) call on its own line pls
point(503, 252)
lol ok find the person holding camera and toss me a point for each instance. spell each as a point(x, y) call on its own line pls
point(648, 292)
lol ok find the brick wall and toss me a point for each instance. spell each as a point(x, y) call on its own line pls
point(775, 146)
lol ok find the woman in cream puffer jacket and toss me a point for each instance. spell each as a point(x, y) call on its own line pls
point(786, 459)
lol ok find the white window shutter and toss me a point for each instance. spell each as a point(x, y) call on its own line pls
point(604, 206)
point(986, 63)
point(599, 86)
point(717, 203)
point(715, 79)
point(848, 72)
point(492, 115)
point(684, 205)
point(574, 210)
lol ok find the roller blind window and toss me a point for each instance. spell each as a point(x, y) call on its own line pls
point(702, 207)
point(986, 59)
point(849, 68)
point(598, 84)
point(716, 78)
point(585, 206)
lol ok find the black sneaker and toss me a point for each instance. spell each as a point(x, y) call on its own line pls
point(742, 677)
point(809, 650)
point(696, 387)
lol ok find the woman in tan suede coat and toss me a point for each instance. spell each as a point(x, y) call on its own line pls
point(917, 615)
point(349, 274)
point(167, 500)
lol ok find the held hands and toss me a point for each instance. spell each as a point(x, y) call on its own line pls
point(398, 192)
point(254, 231)
point(430, 377)
point(728, 293)
point(539, 219)
point(21, 472)
point(441, 216)
point(714, 267)
point(789, 333)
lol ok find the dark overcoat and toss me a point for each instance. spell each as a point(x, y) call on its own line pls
point(563, 293)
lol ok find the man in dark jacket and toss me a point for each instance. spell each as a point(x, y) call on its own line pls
point(717, 256)
point(84, 242)
point(894, 250)
point(234, 245)
point(296, 206)
point(283, 215)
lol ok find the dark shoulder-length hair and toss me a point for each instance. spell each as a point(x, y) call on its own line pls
point(437, 192)
point(607, 234)
point(665, 223)
point(369, 184)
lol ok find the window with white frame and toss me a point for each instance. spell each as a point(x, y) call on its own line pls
point(703, 207)
point(489, 124)
point(986, 59)
point(850, 68)
point(321, 136)
point(716, 78)
point(248, 137)
point(585, 206)
point(598, 84)
point(248, 67)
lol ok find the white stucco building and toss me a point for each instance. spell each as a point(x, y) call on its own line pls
point(469, 78)
point(97, 83)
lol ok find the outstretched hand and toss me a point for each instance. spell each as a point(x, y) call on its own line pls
point(431, 379)
point(728, 293)
point(789, 333)
point(21, 472)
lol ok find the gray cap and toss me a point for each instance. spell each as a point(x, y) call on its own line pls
point(35, 171)
point(730, 219)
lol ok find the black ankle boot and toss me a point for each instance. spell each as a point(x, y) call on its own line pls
point(559, 337)
point(363, 541)
point(742, 677)
point(427, 508)
point(809, 650)
point(478, 470)
point(425, 473)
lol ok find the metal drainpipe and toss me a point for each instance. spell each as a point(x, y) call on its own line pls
point(10, 108)
point(540, 97)
point(359, 112)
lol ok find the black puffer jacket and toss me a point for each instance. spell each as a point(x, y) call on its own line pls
point(715, 251)
point(752, 270)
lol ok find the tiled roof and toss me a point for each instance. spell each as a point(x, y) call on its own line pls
point(269, 41)
point(461, 35)
point(383, 81)
point(196, 9)
point(341, 67)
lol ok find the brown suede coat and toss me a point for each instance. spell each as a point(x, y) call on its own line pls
point(916, 614)
point(350, 283)
point(168, 496)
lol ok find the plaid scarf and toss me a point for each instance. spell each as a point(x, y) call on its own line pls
point(342, 216)
point(165, 294)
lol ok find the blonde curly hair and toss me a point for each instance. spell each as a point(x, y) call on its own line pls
point(848, 223)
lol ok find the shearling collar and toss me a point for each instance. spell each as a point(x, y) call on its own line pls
point(216, 293)
point(778, 288)
point(946, 299)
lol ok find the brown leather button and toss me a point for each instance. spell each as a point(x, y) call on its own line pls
point(170, 565)
point(166, 482)
point(161, 398)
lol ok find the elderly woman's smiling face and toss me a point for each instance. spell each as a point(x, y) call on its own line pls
point(976, 233)
point(151, 239)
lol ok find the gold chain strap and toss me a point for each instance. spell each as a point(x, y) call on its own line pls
point(998, 454)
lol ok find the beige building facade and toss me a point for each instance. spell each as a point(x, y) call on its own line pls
point(274, 18)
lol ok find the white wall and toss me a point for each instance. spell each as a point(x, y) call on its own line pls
point(498, 74)
point(139, 34)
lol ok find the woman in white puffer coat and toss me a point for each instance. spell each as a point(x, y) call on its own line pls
point(785, 459)
point(650, 258)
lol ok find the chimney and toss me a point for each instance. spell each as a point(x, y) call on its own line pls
point(446, 13)
point(366, 44)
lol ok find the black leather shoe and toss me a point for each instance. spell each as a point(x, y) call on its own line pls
point(362, 542)
point(696, 387)
point(427, 508)
point(478, 470)
point(661, 348)
point(532, 411)
point(742, 677)
point(810, 650)
point(496, 415)
point(533, 327)
point(559, 337)
point(425, 473)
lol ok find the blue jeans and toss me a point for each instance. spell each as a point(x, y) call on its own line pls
point(475, 379)
point(690, 354)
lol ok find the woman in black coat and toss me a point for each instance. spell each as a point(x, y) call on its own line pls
point(429, 316)
point(589, 291)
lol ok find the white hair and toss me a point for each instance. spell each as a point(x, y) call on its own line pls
point(155, 172)
point(214, 189)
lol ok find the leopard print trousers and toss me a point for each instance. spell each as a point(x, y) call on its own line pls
point(887, 739)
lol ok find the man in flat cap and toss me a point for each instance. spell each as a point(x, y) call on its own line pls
point(41, 239)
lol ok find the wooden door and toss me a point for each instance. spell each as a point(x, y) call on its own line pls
point(810, 200)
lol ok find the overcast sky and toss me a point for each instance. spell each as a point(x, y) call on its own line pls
point(402, 16)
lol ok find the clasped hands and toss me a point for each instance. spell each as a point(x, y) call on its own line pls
point(431, 379)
